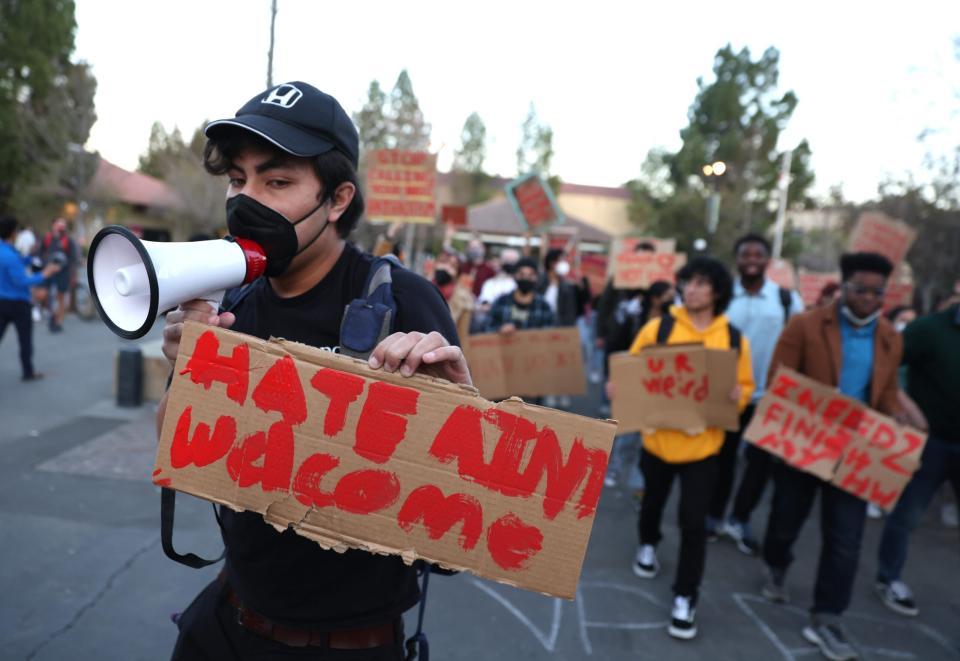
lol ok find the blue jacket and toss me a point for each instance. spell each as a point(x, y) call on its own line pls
point(14, 282)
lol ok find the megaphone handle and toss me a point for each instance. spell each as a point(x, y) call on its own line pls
point(214, 299)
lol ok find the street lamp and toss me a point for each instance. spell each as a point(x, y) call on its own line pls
point(713, 172)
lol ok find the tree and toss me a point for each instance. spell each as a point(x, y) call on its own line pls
point(371, 121)
point(162, 150)
point(737, 118)
point(407, 128)
point(473, 148)
point(180, 165)
point(535, 151)
point(46, 101)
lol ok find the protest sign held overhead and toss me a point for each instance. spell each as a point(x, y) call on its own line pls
point(527, 363)
point(593, 267)
point(684, 387)
point(814, 428)
point(352, 457)
point(638, 270)
point(877, 232)
point(811, 283)
point(401, 186)
point(533, 202)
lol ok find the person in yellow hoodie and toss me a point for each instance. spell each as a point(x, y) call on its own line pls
point(706, 288)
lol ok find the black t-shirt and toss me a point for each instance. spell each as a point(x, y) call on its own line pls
point(287, 577)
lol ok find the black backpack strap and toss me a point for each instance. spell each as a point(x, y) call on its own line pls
point(233, 296)
point(368, 320)
point(168, 501)
point(786, 300)
point(417, 645)
point(735, 337)
point(666, 327)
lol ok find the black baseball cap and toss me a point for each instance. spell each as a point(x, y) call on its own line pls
point(299, 119)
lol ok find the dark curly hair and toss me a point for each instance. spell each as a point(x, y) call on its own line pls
point(753, 237)
point(713, 270)
point(333, 168)
point(870, 262)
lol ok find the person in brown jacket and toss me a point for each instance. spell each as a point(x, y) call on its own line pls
point(850, 346)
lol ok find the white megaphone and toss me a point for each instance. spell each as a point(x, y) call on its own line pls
point(131, 281)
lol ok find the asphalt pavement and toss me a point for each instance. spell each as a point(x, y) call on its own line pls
point(83, 576)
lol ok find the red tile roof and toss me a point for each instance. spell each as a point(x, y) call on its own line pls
point(496, 216)
point(113, 183)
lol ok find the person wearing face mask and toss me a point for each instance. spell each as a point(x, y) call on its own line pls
point(503, 282)
point(476, 266)
point(290, 155)
point(556, 290)
point(848, 345)
point(522, 309)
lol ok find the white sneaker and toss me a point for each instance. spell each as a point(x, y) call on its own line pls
point(36, 314)
point(682, 622)
point(645, 563)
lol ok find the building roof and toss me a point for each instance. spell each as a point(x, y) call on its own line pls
point(111, 182)
point(598, 191)
point(496, 216)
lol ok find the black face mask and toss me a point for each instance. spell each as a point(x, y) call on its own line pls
point(272, 231)
point(525, 286)
point(509, 269)
point(442, 278)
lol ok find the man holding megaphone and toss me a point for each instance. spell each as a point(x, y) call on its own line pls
point(291, 156)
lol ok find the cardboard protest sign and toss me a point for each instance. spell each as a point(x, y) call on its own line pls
point(781, 272)
point(533, 202)
point(877, 232)
point(630, 243)
point(899, 288)
point(527, 363)
point(638, 270)
point(837, 438)
point(811, 284)
point(682, 386)
point(357, 458)
point(401, 186)
point(594, 268)
point(453, 215)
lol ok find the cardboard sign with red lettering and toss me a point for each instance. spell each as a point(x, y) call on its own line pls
point(682, 386)
point(899, 288)
point(811, 284)
point(527, 363)
point(638, 270)
point(837, 438)
point(594, 268)
point(877, 232)
point(401, 186)
point(352, 457)
point(453, 215)
point(533, 202)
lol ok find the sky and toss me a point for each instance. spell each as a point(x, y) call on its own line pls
point(613, 79)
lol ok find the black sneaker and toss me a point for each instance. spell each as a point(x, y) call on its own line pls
point(831, 640)
point(896, 596)
point(682, 618)
point(775, 588)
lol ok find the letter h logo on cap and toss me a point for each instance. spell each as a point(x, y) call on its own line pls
point(285, 96)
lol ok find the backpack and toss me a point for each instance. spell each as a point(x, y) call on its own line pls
point(667, 322)
point(786, 300)
point(366, 322)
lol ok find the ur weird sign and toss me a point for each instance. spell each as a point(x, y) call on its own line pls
point(353, 457)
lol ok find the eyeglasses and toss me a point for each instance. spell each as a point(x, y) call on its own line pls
point(860, 290)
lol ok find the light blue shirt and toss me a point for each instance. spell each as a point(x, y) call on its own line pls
point(760, 318)
point(856, 364)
